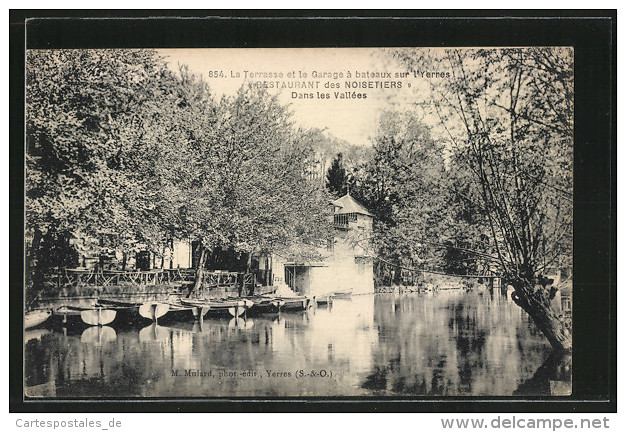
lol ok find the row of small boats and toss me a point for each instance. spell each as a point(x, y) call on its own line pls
point(105, 311)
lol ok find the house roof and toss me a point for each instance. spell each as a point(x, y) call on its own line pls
point(347, 204)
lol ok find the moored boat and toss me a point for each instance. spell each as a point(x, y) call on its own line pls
point(136, 311)
point(299, 303)
point(327, 298)
point(219, 307)
point(180, 312)
point(86, 315)
point(275, 304)
point(35, 318)
point(264, 304)
point(342, 294)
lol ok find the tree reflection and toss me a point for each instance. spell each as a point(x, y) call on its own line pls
point(553, 378)
point(453, 343)
point(434, 344)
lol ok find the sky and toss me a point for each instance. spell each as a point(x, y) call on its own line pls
point(354, 120)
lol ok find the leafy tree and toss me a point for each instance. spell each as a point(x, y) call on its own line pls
point(93, 142)
point(508, 113)
point(464, 233)
point(325, 149)
point(402, 184)
point(240, 175)
point(336, 178)
point(121, 149)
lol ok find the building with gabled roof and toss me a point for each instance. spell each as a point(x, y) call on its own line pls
point(348, 265)
point(347, 205)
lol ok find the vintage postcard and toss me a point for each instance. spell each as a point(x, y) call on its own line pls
point(298, 222)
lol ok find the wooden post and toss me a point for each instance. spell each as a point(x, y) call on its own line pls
point(270, 273)
point(309, 273)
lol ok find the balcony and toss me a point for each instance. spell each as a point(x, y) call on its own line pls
point(342, 221)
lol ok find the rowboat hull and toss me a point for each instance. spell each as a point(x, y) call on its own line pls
point(130, 312)
point(328, 298)
point(274, 304)
point(96, 316)
point(179, 312)
point(36, 318)
point(234, 308)
point(153, 311)
point(265, 307)
point(281, 304)
point(294, 304)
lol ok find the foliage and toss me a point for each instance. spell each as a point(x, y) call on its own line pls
point(122, 150)
point(402, 184)
point(336, 178)
point(92, 145)
point(508, 113)
point(465, 233)
point(239, 174)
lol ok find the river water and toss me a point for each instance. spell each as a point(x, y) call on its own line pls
point(447, 343)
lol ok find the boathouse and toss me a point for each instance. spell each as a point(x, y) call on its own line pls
point(348, 262)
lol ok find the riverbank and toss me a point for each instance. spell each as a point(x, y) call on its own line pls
point(400, 289)
point(86, 295)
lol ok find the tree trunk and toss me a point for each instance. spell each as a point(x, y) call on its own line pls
point(535, 300)
point(34, 275)
point(197, 284)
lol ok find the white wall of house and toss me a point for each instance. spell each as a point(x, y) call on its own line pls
point(349, 267)
point(181, 255)
point(338, 275)
point(363, 282)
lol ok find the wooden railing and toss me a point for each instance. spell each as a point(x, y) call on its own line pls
point(81, 278)
point(220, 279)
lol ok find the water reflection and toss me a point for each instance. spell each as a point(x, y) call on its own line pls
point(98, 336)
point(554, 377)
point(454, 343)
point(447, 343)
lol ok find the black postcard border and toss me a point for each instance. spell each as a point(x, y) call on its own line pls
point(592, 33)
